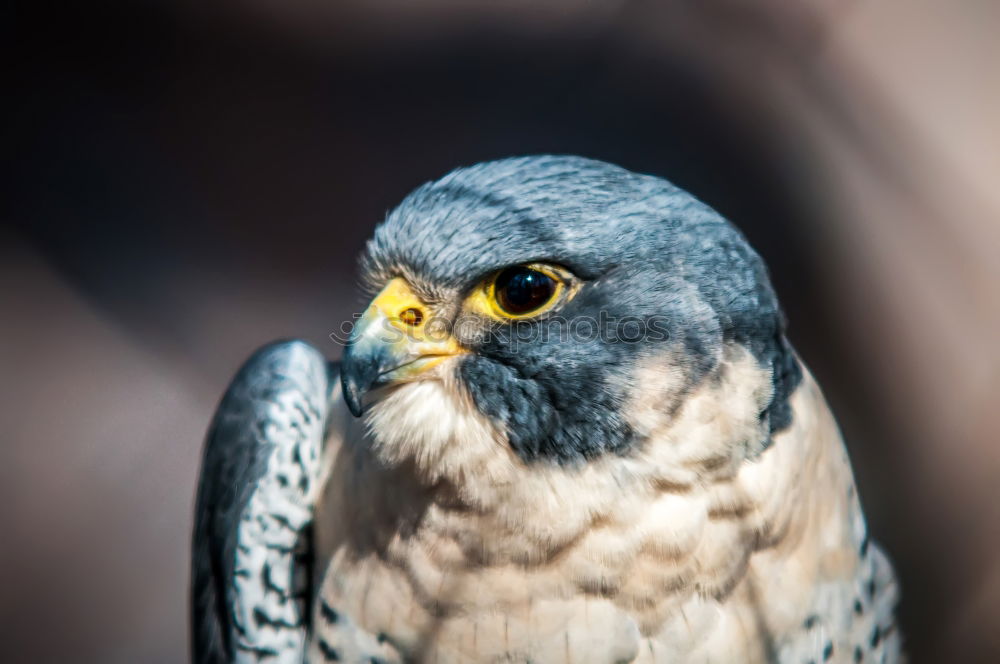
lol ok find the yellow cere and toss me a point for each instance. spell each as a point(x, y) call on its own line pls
point(421, 346)
point(400, 305)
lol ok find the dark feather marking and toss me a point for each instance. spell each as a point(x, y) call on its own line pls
point(307, 415)
point(282, 520)
point(262, 619)
point(328, 612)
point(269, 584)
point(297, 458)
point(329, 653)
point(259, 653)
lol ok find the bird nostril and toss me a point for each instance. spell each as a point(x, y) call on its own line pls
point(412, 316)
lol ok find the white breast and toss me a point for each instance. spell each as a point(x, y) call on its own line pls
point(438, 543)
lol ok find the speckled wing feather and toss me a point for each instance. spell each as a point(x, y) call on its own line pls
point(251, 546)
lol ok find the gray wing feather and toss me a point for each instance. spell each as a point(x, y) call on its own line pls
point(251, 547)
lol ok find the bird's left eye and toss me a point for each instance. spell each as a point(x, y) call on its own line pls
point(522, 290)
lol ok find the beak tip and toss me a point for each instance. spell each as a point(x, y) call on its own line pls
point(352, 396)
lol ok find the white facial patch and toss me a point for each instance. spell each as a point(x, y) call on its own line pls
point(434, 424)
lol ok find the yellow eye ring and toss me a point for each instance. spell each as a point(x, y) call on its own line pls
point(519, 292)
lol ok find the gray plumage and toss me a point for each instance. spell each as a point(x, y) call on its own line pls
point(682, 496)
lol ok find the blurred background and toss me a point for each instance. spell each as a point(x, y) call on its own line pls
point(186, 181)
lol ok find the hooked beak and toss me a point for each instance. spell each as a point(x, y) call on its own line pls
point(392, 343)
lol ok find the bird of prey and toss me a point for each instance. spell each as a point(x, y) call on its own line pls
point(569, 427)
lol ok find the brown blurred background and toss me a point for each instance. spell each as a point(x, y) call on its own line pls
point(186, 182)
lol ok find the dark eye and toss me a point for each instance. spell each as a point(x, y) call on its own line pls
point(521, 290)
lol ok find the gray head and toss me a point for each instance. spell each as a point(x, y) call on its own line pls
point(647, 275)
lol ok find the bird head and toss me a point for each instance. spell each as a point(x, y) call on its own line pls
point(557, 310)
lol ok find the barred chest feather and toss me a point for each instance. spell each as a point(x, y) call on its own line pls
point(435, 543)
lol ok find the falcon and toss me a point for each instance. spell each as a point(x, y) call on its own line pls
point(567, 428)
